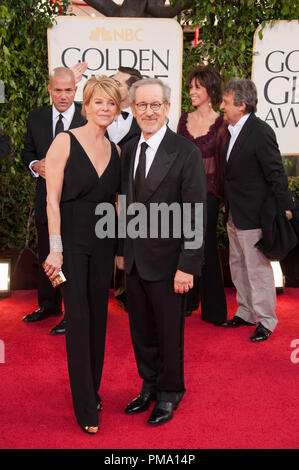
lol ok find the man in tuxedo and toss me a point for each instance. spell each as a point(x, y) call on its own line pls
point(43, 125)
point(253, 170)
point(159, 168)
point(120, 131)
point(125, 125)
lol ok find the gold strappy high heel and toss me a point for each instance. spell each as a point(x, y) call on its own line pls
point(90, 429)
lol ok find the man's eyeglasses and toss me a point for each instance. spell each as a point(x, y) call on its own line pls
point(154, 106)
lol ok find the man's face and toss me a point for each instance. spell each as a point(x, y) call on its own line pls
point(231, 113)
point(150, 121)
point(62, 90)
point(121, 79)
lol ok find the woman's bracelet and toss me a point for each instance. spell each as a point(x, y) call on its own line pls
point(55, 244)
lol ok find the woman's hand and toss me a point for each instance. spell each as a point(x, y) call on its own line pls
point(120, 262)
point(53, 264)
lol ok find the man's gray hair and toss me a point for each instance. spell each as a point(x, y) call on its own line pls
point(244, 92)
point(150, 81)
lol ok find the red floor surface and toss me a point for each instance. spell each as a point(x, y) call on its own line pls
point(240, 395)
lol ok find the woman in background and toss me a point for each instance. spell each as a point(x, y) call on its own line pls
point(208, 131)
point(82, 170)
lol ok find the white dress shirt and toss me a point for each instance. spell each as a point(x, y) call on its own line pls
point(234, 132)
point(153, 143)
point(67, 117)
point(120, 126)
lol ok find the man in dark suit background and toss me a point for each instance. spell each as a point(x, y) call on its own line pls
point(123, 129)
point(253, 170)
point(159, 167)
point(43, 125)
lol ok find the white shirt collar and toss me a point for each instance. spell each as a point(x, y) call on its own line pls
point(67, 114)
point(154, 141)
point(118, 118)
point(239, 124)
point(153, 144)
point(128, 110)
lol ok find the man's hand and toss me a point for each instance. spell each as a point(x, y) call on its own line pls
point(289, 215)
point(120, 262)
point(183, 282)
point(78, 70)
point(40, 167)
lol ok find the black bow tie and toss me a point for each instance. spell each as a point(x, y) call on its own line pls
point(124, 114)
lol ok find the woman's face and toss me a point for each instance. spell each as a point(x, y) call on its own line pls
point(198, 93)
point(101, 109)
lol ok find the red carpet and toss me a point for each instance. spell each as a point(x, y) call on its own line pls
point(239, 395)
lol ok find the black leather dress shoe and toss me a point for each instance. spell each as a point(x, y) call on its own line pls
point(260, 334)
point(60, 328)
point(235, 322)
point(140, 403)
point(41, 314)
point(162, 413)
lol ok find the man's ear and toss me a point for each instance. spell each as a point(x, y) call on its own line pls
point(243, 107)
point(133, 110)
point(167, 105)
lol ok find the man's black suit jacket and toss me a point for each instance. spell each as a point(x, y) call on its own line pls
point(39, 137)
point(254, 169)
point(176, 176)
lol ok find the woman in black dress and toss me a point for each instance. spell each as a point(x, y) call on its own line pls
point(83, 170)
point(206, 128)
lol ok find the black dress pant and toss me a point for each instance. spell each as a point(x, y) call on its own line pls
point(86, 295)
point(49, 297)
point(209, 289)
point(157, 317)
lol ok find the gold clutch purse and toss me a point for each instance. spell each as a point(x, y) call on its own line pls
point(59, 279)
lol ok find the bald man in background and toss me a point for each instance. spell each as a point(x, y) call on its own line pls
point(43, 124)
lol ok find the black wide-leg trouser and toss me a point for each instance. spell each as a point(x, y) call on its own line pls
point(85, 295)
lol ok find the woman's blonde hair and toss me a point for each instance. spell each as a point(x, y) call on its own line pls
point(104, 84)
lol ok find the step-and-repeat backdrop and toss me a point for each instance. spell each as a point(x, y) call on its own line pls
point(153, 46)
point(275, 72)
